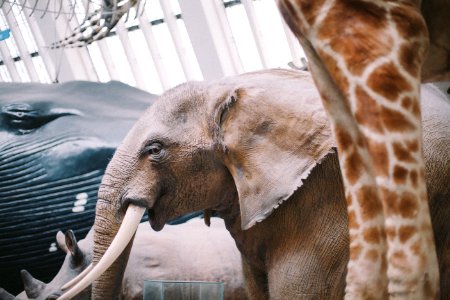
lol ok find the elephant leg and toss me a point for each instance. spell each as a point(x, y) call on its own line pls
point(255, 282)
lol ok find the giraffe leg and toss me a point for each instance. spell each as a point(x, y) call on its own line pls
point(366, 270)
point(366, 60)
point(366, 278)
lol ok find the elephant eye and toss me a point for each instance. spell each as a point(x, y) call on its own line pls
point(155, 150)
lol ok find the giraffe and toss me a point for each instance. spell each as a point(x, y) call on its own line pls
point(366, 58)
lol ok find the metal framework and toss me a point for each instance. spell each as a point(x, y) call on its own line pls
point(169, 42)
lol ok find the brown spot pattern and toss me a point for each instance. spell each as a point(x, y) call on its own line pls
point(408, 207)
point(390, 200)
point(400, 174)
point(343, 138)
point(409, 21)
point(360, 141)
point(355, 251)
point(367, 111)
point(406, 232)
point(402, 153)
point(379, 154)
point(407, 102)
point(353, 166)
point(430, 291)
point(372, 255)
point(414, 178)
point(410, 58)
point(415, 109)
point(404, 205)
point(413, 145)
point(416, 248)
point(395, 121)
point(388, 82)
point(383, 264)
point(390, 233)
point(310, 8)
point(349, 199)
point(372, 235)
point(352, 222)
point(387, 195)
point(346, 27)
point(369, 202)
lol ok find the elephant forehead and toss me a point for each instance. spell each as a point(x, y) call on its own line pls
point(179, 109)
point(179, 102)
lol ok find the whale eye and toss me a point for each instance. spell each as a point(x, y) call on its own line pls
point(19, 117)
point(23, 118)
point(18, 110)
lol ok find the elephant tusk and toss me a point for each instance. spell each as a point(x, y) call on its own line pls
point(80, 276)
point(128, 227)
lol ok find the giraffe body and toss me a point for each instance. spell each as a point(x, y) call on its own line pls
point(366, 59)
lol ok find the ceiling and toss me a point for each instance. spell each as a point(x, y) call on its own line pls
point(166, 43)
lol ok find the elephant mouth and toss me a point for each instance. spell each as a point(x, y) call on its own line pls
point(156, 212)
point(156, 222)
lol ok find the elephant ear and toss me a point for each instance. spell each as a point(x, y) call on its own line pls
point(272, 140)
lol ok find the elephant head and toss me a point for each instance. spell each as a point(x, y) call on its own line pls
point(250, 139)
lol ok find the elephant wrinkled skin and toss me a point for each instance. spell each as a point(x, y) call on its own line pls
point(257, 149)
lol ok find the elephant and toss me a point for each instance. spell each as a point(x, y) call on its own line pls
point(186, 252)
point(55, 143)
point(257, 150)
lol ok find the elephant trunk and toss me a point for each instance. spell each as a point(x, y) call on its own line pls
point(106, 227)
point(109, 262)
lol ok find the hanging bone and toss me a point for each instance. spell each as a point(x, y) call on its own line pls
point(98, 24)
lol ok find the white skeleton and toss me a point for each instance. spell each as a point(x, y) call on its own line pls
point(98, 24)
